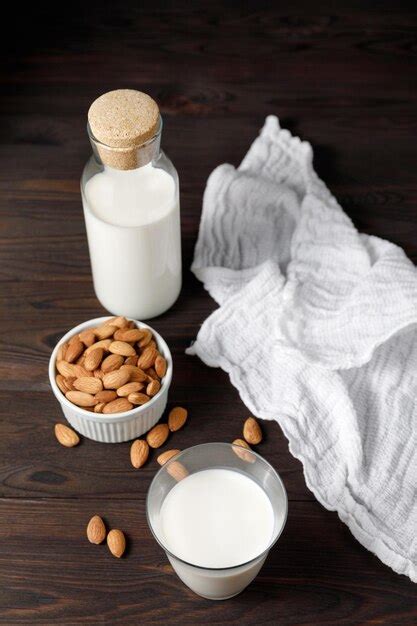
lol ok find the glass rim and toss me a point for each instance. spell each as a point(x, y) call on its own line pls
point(144, 144)
point(231, 567)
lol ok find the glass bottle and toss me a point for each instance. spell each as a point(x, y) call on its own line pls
point(130, 195)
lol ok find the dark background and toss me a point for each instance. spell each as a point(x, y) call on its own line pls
point(341, 75)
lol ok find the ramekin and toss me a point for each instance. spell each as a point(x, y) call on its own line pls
point(118, 427)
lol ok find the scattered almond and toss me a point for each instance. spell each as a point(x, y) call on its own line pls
point(96, 530)
point(165, 456)
point(139, 452)
point(80, 398)
point(118, 406)
point(158, 435)
point(242, 449)
point(116, 542)
point(252, 431)
point(177, 418)
point(66, 436)
point(177, 471)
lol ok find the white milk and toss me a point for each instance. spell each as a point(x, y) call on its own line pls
point(217, 518)
point(133, 228)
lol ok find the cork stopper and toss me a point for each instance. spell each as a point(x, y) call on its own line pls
point(122, 124)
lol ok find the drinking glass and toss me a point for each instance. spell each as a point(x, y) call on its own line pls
point(209, 582)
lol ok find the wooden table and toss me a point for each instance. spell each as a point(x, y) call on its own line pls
point(343, 78)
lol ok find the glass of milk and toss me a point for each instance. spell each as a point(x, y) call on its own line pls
point(130, 196)
point(217, 509)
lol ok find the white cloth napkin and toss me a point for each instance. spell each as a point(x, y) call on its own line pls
point(316, 328)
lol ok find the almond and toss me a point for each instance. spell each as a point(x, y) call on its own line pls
point(129, 388)
point(146, 338)
point(165, 456)
point(139, 452)
point(244, 454)
point(120, 321)
point(152, 375)
point(131, 360)
point(114, 380)
point(177, 471)
point(66, 436)
point(122, 348)
point(89, 384)
point(158, 435)
point(69, 383)
point(111, 362)
point(160, 366)
point(74, 350)
point(98, 374)
point(153, 388)
point(60, 355)
point(138, 398)
point(104, 343)
point(129, 334)
point(136, 374)
point(177, 418)
point(87, 337)
point(118, 406)
point(80, 398)
point(105, 396)
point(79, 371)
point(60, 381)
point(105, 331)
point(96, 530)
point(93, 360)
point(252, 431)
point(66, 369)
point(99, 407)
point(116, 542)
point(147, 358)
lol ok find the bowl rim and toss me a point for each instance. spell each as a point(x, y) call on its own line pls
point(111, 417)
point(177, 458)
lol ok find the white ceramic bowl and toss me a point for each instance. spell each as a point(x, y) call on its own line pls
point(117, 427)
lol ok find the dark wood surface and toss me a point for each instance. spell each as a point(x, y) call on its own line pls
point(340, 75)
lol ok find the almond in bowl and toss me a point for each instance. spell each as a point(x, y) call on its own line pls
point(111, 376)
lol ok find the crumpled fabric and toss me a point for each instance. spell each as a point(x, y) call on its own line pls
point(316, 329)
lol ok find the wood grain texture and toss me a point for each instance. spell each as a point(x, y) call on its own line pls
point(341, 75)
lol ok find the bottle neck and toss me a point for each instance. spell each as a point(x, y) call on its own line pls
point(127, 158)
